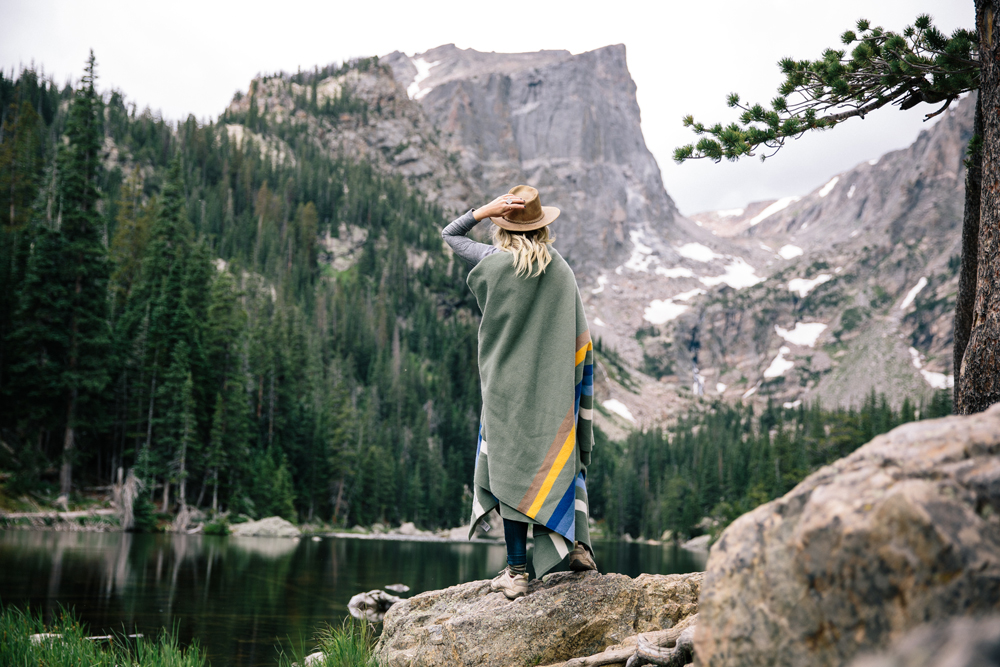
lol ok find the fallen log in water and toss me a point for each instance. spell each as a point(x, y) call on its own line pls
point(58, 516)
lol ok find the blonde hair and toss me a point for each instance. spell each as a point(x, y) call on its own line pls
point(527, 248)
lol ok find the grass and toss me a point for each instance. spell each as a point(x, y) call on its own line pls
point(350, 645)
point(25, 640)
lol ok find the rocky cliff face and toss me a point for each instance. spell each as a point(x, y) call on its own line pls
point(868, 263)
point(382, 127)
point(566, 124)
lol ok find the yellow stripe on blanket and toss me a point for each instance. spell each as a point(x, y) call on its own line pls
point(582, 352)
point(554, 471)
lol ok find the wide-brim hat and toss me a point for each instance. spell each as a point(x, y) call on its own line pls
point(532, 216)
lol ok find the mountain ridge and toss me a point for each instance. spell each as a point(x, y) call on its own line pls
point(671, 297)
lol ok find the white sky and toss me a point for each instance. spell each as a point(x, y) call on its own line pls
point(186, 57)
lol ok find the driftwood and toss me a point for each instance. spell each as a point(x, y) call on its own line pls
point(58, 516)
point(648, 648)
point(682, 653)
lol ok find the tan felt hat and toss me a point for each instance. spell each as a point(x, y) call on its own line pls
point(532, 216)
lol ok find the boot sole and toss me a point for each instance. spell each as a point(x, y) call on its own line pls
point(506, 594)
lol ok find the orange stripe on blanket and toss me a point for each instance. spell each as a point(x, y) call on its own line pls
point(550, 479)
point(567, 427)
point(581, 354)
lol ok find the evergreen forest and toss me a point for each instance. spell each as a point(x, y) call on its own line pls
point(168, 305)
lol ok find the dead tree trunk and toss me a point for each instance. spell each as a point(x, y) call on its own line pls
point(979, 373)
point(966, 300)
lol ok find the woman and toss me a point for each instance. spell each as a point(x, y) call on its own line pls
point(535, 363)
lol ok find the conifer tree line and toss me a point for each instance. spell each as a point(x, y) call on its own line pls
point(168, 305)
point(719, 463)
point(165, 309)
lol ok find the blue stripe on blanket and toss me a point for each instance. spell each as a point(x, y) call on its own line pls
point(479, 445)
point(576, 402)
point(563, 519)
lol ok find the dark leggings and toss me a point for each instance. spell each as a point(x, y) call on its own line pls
point(516, 535)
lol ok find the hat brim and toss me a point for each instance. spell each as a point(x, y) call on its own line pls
point(549, 214)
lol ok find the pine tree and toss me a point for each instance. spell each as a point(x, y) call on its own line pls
point(132, 224)
point(177, 429)
point(157, 311)
point(85, 269)
point(38, 342)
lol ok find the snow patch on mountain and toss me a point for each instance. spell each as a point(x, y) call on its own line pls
point(697, 252)
point(738, 275)
point(804, 286)
point(779, 205)
point(413, 91)
point(661, 312)
point(912, 294)
point(790, 251)
point(780, 364)
point(804, 334)
point(619, 408)
point(934, 379)
point(828, 188)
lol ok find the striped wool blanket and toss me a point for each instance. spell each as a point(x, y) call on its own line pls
point(535, 436)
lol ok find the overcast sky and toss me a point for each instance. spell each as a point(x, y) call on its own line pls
point(186, 57)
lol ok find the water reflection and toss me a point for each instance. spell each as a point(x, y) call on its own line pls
point(241, 596)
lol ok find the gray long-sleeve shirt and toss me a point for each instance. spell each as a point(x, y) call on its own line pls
point(455, 235)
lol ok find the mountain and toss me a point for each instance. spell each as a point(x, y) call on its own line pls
point(866, 263)
point(801, 298)
point(566, 124)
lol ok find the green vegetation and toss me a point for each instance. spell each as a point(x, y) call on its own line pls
point(224, 365)
point(27, 641)
point(350, 645)
point(725, 461)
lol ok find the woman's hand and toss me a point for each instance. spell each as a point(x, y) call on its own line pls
point(499, 207)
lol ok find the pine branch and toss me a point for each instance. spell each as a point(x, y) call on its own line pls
point(919, 65)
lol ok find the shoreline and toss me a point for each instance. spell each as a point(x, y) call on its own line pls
point(387, 537)
point(77, 521)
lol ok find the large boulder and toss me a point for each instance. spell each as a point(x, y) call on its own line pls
point(564, 616)
point(272, 526)
point(964, 642)
point(904, 531)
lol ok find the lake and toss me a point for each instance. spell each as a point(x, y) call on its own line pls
point(242, 596)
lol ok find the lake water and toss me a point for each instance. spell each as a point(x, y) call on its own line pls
point(242, 596)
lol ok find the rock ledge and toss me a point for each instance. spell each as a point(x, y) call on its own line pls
point(564, 616)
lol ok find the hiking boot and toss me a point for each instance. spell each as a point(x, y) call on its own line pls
point(511, 585)
point(580, 559)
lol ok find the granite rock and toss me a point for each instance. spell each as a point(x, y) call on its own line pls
point(566, 615)
point(272, 526)
point(904, 531)
point(963, 642)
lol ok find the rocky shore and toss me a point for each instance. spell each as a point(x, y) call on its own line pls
point(888, 557)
